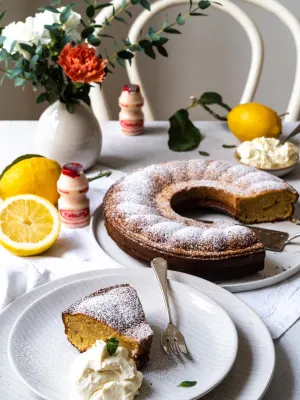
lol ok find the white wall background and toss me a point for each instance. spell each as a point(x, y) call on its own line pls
point(213, 53)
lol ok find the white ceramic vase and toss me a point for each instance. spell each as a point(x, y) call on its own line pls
point(69, 137)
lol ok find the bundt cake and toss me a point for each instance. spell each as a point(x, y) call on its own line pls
point(140, 215)
point(115, 312)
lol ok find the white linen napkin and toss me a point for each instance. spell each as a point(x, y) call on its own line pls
point(278, 306)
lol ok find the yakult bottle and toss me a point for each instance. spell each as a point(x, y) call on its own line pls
point(73, 204)
point(131, 115)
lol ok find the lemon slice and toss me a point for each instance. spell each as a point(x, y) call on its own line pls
point(29, 224)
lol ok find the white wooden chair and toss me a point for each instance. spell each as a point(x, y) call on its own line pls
point(98, 100)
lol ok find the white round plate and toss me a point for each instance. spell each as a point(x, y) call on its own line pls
point(38, 344)
point(278, 266)
point(248, 379)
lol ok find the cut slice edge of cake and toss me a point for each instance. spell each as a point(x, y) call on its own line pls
point(115, 311)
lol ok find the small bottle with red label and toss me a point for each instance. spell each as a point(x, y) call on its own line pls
point(73, 204)
point(131, 115)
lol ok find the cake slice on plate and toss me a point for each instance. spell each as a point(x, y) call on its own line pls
point(116, 312)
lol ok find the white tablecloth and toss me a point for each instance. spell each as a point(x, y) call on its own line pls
point(127, 153)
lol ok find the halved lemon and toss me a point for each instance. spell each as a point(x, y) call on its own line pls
point(29, 224)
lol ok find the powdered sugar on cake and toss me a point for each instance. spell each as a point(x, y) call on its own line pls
point(136, 203)
point(118, 307)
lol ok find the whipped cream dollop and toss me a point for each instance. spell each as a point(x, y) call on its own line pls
point(268, 153)
point(97, 375)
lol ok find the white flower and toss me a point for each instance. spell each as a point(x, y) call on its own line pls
point(20, 32)
point(33, 30)
point(50, 18)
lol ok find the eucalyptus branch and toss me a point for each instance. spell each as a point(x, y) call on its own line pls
point(113, 16)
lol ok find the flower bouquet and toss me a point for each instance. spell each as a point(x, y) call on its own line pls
point(61, 54)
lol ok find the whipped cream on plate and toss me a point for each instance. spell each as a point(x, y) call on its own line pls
point(97, 375)
point(268, 153)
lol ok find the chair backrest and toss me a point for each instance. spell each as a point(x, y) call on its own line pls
point(97, 97)
point(227, 7)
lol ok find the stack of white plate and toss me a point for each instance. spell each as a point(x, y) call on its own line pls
point(231, 353)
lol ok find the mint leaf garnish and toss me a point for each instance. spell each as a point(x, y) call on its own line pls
point(187, 384)
point(204, 153)
point(112, 344)
point(229, 146)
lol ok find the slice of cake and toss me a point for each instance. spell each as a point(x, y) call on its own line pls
point(116, 312)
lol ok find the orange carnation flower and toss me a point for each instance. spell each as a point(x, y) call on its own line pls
point(81, 64)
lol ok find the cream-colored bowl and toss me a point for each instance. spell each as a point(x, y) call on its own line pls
point(273, 171)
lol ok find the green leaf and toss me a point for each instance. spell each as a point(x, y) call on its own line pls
point(87, 31)
point(106, 22)
point(150, 52)
point(105, 35)
point(183, 135)
point(17, 160)
point(145, 4)
point(67, 39)
point(33, 61)
point(41, 98)
point(17, 71)
point(111, 64)
point(124, 3)
point(20, 82)
point(2, 14)
point(125, 55)
point(160, 42)
point(204, 153)
point(4, 55)
point(203, 4)
point(162, 51)
point(93, 40)
point(128, 13)
point(2, 39)
point(134, 2)
point(116, 47)
point(121, 62)
point(145, 43)
point(188, 384)
point(103, 6)
point(49, 8)
point(171, 30)
point(90, 11)
point(12, 47)
point(209, 98)
point(69, 107)
point(180, 20)
point(112, 346)
point(120, 19)
point(30, 75)
point(65, 14)
point(229, 146)
point(126, 42)
point(196, 14)
point(27, 48)
point(165, 24)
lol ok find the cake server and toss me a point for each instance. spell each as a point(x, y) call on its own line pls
point(271, 239)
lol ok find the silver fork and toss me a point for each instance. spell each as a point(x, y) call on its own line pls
point(171, 338)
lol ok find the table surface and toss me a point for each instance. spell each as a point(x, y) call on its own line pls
point(127, 153)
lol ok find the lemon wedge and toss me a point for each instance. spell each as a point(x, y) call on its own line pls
point(29, 224)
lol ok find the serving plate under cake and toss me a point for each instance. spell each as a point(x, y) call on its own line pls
point(209, 332)
point(278, 266)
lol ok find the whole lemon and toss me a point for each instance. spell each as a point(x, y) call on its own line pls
point(31, 174)
point(251, 120)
